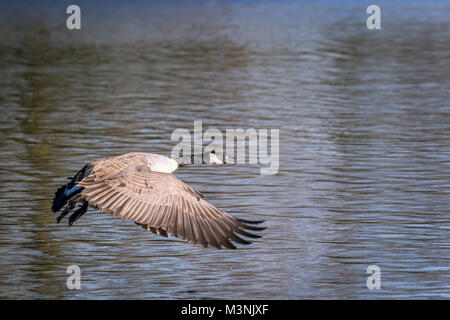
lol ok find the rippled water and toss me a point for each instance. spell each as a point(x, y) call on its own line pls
point(364, 121)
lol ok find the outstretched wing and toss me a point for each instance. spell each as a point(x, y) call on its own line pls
point(163, 204)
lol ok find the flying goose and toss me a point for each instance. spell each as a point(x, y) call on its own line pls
point(141, 187)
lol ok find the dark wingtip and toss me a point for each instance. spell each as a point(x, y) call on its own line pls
point(59, 200)
point(248, 234)
point(238, 239)
point(248, 225)
point(251, 221)
point(253, 228)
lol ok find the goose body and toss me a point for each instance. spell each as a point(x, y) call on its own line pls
point(141, 187)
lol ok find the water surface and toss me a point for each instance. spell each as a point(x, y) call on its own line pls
point(364, 121)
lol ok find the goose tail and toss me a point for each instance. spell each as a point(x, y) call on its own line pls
point(67, 191)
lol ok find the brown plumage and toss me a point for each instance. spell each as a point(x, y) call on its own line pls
point(129, 187)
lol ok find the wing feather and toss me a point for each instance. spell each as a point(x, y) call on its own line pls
point(161, 203)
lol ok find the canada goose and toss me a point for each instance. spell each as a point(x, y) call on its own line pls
point(142, 188)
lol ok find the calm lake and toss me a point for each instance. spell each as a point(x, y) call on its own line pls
point(364, 128)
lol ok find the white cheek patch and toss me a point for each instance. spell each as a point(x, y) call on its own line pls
point(164, 165)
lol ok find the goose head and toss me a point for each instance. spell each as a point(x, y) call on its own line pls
point(216, 158)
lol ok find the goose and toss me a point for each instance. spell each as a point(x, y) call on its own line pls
point(141, 187)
